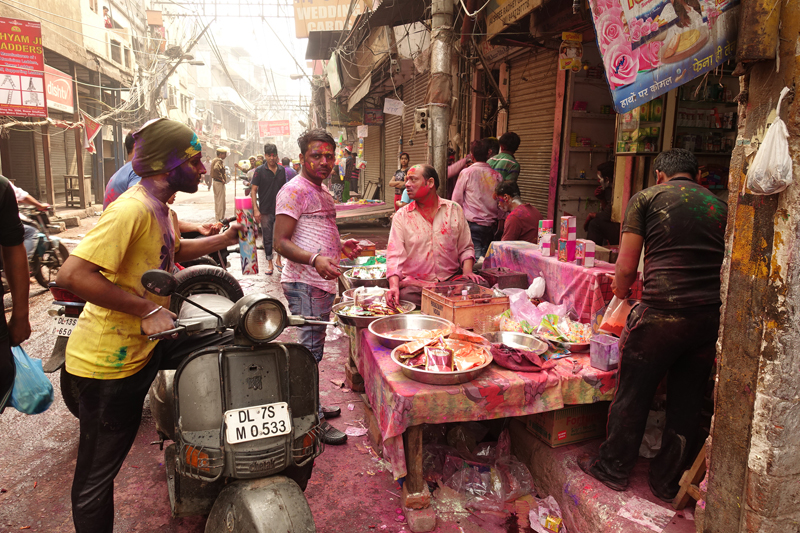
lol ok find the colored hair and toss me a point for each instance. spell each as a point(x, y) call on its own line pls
point(317, 134)
point(508, 187)
point(429, 172)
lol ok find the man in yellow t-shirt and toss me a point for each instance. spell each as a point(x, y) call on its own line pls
point(109, 358)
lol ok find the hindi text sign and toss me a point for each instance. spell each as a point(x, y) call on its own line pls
point(21, 69)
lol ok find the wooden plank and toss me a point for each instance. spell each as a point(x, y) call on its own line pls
point(48, 169)
point(414, 480)
point(689, 480)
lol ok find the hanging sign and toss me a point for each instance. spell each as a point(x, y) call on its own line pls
point(393, 107)
point(373, 117)
point(21, 69)
point(273, 128)
point(362, 132)
point(652, 46)
point(90, 130)
point(571, 51)
point(58, 86)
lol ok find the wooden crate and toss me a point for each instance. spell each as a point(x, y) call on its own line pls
point(446, 301)
point(504, 278)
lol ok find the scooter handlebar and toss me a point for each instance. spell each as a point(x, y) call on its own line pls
point(167, 334)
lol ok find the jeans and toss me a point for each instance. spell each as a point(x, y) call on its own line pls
point(679, 344)
point(30, 243)
point(267, 225)
point(306, 300)
point(110, 411)
point(481, 238)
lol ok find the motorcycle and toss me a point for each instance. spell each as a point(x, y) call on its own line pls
point(242, 417)
point(49, 253)
point(218, 258)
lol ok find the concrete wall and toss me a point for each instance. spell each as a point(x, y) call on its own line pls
point(754, 480)
point(61, 24)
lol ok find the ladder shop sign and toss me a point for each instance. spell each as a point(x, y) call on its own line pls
point(21, 69)
point(650, 47)
point(273, 128)
point(325, 15)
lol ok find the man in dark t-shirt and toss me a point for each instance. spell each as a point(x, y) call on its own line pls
point(673, 330)
point(15, 265)
point(267, 181)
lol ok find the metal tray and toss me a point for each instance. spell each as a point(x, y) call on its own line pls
point(356, 282)
point(364, 321)
point(444, 378)
point(514, 339)
point(392, 323)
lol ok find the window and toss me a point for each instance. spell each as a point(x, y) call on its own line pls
point(116, 51)
point(93, 5)
point(171, 100)
point(127, 57)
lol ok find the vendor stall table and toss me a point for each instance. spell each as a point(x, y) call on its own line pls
point(348, 213)
point(402, 405)
point(587, 290)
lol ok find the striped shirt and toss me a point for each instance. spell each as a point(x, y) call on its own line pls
point(506, 165)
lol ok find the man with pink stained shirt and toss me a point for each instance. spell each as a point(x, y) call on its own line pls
point(475, 193)
point(306, 236)
point(429, 241)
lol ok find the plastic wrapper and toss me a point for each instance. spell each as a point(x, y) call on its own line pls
point(438, 359)
point(517, 359)
point(32, 393)
point(547, 517)
point(465, 436)
point(366, 296)
point(771, 169)
point(615, 316)
point(536, 289)
point(563, 329)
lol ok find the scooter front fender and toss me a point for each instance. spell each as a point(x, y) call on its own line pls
point(267, 505)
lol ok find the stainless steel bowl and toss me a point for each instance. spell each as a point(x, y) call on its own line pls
point(443, 378)
point(364, 321)
point(356, 282)
point(393, 323)
point(517, 340)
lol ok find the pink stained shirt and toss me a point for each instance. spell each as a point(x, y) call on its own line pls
point(428, 252)
point(475, 192)
point(316, 232)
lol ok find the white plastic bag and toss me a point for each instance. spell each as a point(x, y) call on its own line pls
point(771, 170)
point(536, 290)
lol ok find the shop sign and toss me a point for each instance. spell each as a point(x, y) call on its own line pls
point(502, 13)
point(650, 47)
point(273, 128)
point(58, 86)
point(324, 15)
point(362, 131)
point(373, 117)
point(21, 69)
point(571, 51)
point(393, 107)
point(491, 53)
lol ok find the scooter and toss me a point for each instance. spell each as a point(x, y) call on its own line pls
point(242, 417)
point(49, 253)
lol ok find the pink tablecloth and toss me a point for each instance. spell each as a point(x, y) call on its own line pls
point(347, 207)
point(587, 290)
point(399, 402)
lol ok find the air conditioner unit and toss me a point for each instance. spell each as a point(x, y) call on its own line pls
point(421, 119)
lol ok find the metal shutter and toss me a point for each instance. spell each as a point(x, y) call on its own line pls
point(391, 150)
point(414, 92)
point(23, 171)
point(532, 102)
point(372, 155)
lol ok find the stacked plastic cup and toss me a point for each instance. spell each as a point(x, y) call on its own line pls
point(247, 236)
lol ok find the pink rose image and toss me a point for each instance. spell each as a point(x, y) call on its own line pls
point(610, 28)
point(636, 30)
point(654, 26)
point(622, 64)
point(646, 27)
point(648, 55)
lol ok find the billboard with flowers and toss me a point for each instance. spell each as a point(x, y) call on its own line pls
point(650, 47)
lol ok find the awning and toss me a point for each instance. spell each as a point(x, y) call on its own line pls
point(399, 12)
point(321, 44)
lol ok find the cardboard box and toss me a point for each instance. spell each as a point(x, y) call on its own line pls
point(566, 250)
point(584, 252)
point(549, 245)
point(573, 423)
point(656, 109)
point(545, 227)
point(569, 228)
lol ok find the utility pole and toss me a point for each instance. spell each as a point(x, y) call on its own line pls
point(440, 87)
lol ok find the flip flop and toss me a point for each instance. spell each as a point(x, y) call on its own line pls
point(268, 273)
point(279, 267)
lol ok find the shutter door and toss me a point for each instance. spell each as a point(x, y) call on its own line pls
point(23, 173)
point(372, 155)
point(532, 102)
point(391, 149)
point(414, 92)
point(58, 155)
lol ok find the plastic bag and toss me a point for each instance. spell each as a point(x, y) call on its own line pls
point(651, 442)
point(536, 290)
point(771, 170)
point(33, 392)
point(615, 316)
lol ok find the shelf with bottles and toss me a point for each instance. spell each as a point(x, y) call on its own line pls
point(710, 94)
point(709, 143)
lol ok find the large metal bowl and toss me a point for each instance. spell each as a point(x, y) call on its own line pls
point(517, 340)
point(444, 378)
point(356, 282)
point(364, 321)
point(392, 323)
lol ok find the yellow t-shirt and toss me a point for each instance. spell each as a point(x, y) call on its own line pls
point(135, 234)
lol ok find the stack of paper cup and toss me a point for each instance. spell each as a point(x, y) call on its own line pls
point(247, 236)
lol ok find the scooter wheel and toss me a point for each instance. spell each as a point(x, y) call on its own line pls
point(46, 267)
point(205, 279)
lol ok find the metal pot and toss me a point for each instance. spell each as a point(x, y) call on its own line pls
point(514, 340)
point(356, 282)
point(386, 325)
point(364, 321)
point(444, 378)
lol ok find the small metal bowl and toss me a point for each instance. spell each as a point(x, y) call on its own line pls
point(364, 321)
point(356, 282)
point(444, 378)
point(390, 324)
point(514, 340)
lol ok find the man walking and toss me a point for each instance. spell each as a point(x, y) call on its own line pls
point(673, 331)
point(124, 178)
point(475, 193)
point(287, 166)
point(267, 181)
point(109, 358)
point(219, 178)
point(504, 162)
point(307, 236)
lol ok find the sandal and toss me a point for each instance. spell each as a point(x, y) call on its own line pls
point(268, 272)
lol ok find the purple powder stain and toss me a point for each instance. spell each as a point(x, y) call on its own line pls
point(574, 497)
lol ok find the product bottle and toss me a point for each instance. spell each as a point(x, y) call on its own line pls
point(464, 294)
point(247, 237)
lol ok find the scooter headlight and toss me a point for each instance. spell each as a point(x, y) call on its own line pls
point(264, 320)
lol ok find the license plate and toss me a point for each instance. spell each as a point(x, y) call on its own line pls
point(259, 422)
point(63, 326)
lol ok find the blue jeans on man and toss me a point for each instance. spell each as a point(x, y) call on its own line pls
point(481, 238)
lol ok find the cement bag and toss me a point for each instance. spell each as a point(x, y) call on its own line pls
point(771, 170)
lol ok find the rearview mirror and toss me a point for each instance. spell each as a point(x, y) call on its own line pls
point(159, 282)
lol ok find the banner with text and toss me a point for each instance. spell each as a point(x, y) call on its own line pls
point(58, 86)
point(273, 128)
point(21, 69)
point(325, 15)
point(652, 46)
point(500, 14)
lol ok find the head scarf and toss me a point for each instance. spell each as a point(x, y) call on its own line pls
point(162, 145)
